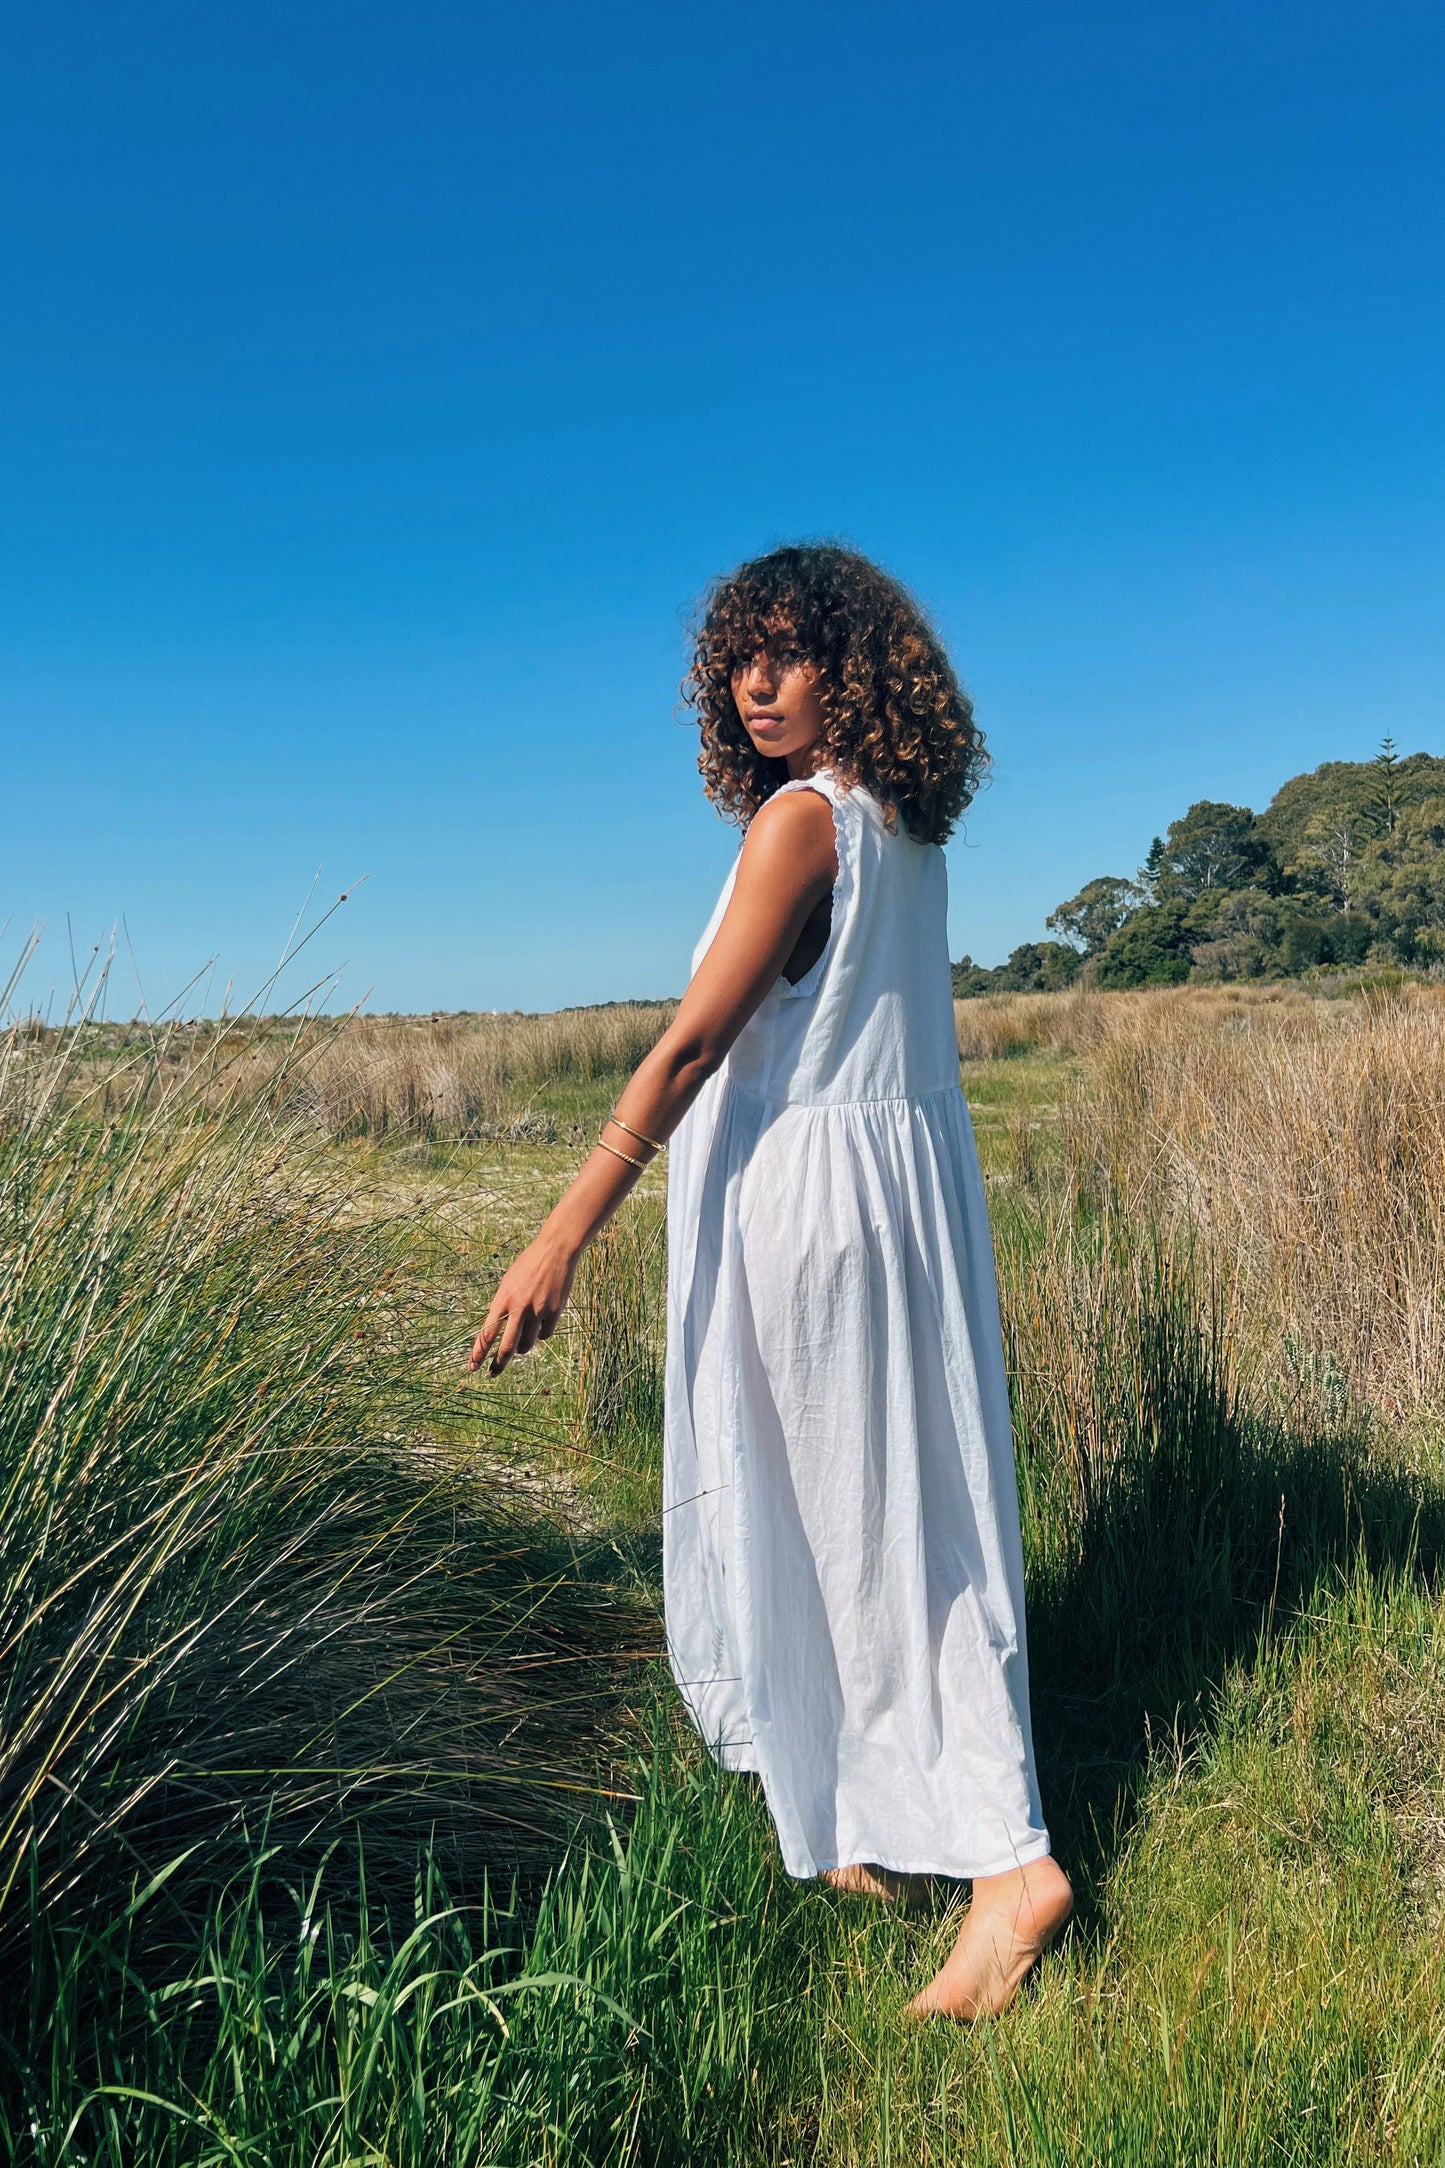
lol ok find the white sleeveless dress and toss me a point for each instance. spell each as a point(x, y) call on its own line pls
point(843, 1575)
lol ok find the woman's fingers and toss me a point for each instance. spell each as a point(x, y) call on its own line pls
point(505, 1348)
point(525, 1309)
point(519, 1332)
point(518, 1339)
point(491, 1326)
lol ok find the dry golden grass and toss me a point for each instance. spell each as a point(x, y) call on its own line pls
point(996, 1027)
point(462, 1078)
point(1302, 1145)
point(469, 1077)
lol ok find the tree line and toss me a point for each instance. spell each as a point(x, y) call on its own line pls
point(1345, 867)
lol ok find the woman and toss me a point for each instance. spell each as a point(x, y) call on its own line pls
point(842, 1567)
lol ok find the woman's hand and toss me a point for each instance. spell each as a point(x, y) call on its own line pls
point(530, 1300)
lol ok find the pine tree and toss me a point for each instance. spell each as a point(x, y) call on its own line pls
point(1385, 793)
point(1146, 880)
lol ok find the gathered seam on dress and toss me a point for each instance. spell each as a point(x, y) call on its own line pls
point(845, 1106)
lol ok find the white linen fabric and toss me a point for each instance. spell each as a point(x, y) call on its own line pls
point(843, 1574)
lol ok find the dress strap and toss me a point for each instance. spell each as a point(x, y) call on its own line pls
point(846, 817)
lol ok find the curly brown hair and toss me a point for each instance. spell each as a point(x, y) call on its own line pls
point(897, 721)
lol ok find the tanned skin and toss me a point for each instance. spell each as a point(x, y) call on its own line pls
point(776, 925)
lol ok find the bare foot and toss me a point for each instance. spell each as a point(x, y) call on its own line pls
point(1011, 1922)
point(865, 1881)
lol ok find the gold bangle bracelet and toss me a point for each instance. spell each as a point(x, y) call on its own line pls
point(639, 1164)
point(617, 1119)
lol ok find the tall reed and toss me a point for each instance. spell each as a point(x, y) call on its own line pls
point(1304, 1149)
point(235, 1587)
point(617, 1332)
point(647, 2010)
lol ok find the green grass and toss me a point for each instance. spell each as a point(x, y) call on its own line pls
point(345, 1826)
point(635, 2012)
point(1262, 1981)
point(1260, 1976)
point(239, 1590)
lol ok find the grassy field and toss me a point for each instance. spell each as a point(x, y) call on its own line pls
point(346, 1813)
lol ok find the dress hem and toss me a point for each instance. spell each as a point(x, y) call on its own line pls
point(1026, 1856)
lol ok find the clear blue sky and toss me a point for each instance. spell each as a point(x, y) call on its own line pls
point(379, 385)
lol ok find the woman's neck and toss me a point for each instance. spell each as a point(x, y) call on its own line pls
point(805, 762)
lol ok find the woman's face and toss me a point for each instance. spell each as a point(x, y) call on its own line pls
point(776, 695)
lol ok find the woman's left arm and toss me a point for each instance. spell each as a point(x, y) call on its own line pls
point(787, 866)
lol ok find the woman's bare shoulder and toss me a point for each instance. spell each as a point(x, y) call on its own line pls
point(794, 829)
point(792, 815)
